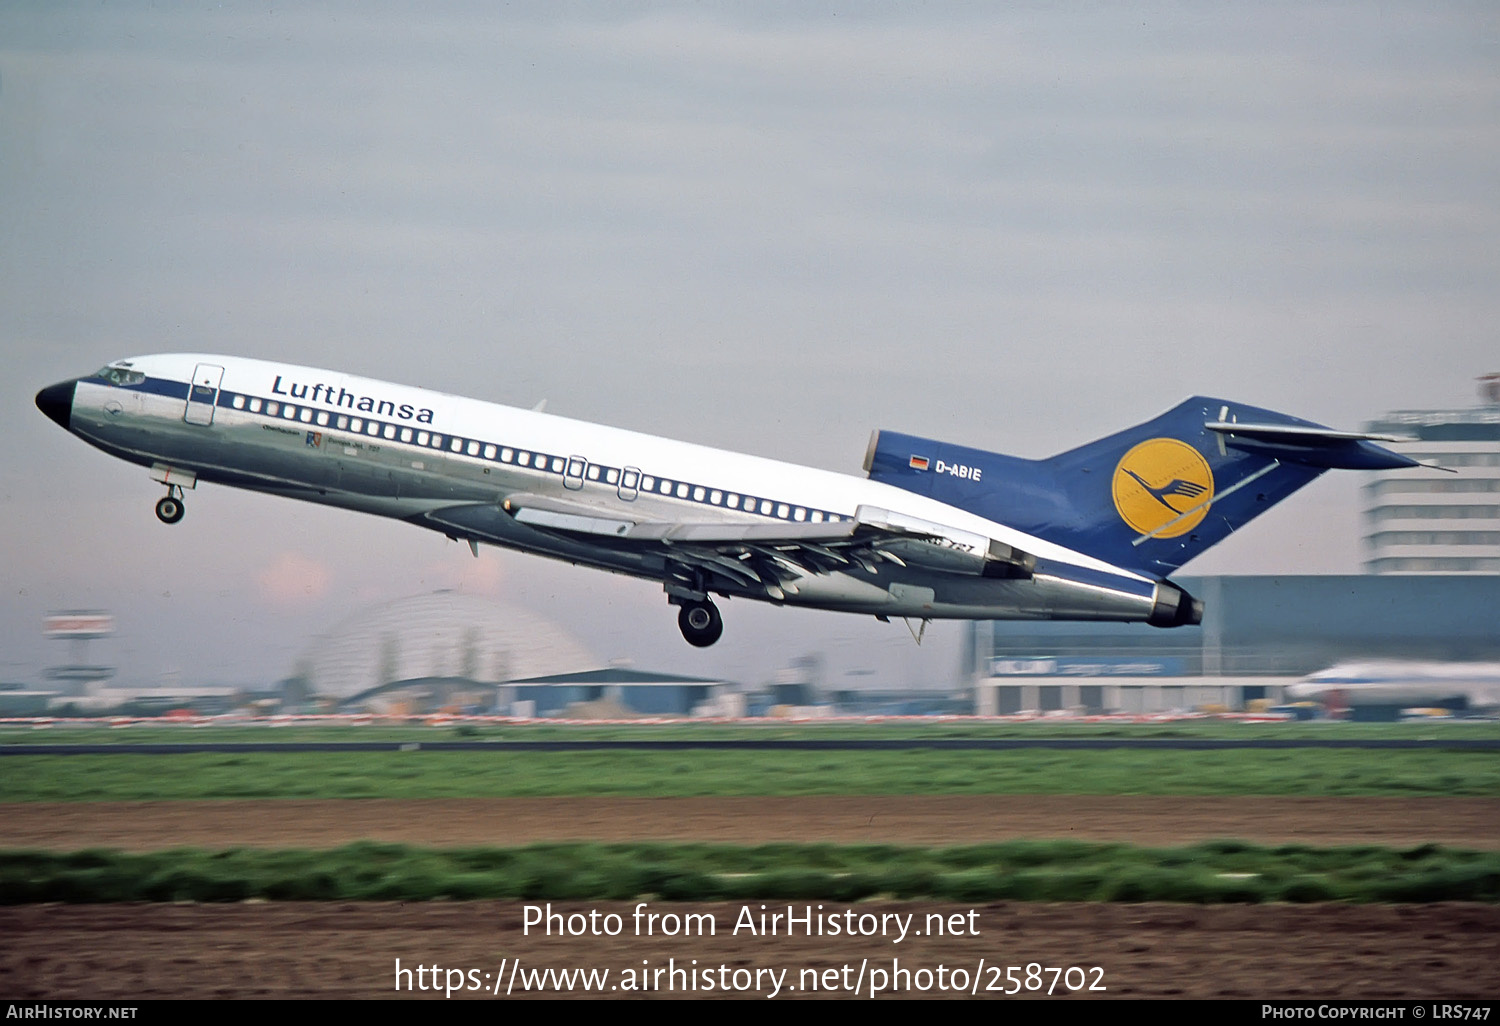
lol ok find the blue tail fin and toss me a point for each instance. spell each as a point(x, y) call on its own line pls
point(1149, 498)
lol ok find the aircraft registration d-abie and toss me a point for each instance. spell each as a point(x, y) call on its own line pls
point(934, 530)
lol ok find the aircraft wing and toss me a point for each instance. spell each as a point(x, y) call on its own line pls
point(771, 555)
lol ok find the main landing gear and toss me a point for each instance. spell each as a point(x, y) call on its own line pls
point(169, 510)
point(700, 623)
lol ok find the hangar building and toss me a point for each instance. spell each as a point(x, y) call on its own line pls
point(449, 650)
point(432, 641)
point(622, 691)
point(1259, 634)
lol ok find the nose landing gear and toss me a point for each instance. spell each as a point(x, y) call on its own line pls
point(700, 623)
point(169, 510)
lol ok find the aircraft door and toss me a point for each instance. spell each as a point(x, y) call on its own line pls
point(573, 474)
point(203, 394)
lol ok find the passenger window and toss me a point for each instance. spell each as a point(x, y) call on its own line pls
point(239, 402)
point(765, 506)
point(406, 434)
point(557, 465)
point(682, 491)
point(305, 416)
point(322, 418)
point(698, 494)
point(799, 513)
point(273, 408)
point(524, 459)
point(611, 476)
point(372, 428)
point(733, 502)
point(489, 452)
point(473, 449)
point(456, 445)
point(781, 511)
point(342, 423)
point(715, 496)
point(421, 437)
point(289, 412)
point(506, 455)
point(390, 431)
point(254, 405)
point(357, 424)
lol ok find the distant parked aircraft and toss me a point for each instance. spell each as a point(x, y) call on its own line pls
point(1458, 686)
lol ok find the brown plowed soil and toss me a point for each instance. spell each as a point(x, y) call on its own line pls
point(904, 819)
point(351, 950)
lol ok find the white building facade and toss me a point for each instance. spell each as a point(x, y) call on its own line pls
point(1430, 521)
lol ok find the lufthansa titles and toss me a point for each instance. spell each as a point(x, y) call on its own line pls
point(330, 396)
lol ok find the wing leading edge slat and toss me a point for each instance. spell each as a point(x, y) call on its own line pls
point(772, 556)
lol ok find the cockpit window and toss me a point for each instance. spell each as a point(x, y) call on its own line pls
point(120, 375)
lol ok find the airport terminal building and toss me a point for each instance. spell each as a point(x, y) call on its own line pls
point(1431, 521)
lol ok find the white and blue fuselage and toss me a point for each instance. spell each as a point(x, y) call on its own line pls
point(701, 521)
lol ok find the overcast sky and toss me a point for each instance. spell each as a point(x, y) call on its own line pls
point(766, 227)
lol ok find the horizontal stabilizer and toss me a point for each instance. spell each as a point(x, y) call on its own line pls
point(1293, 432)
point(1313, 446)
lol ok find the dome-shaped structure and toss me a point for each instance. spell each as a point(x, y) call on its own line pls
point(445, 634)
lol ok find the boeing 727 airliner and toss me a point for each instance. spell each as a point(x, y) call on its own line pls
point(934, 530)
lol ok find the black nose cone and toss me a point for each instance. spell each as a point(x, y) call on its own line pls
point(56, 401)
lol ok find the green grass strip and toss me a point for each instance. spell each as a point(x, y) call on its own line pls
point(1211, 872)
point(700, 772)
